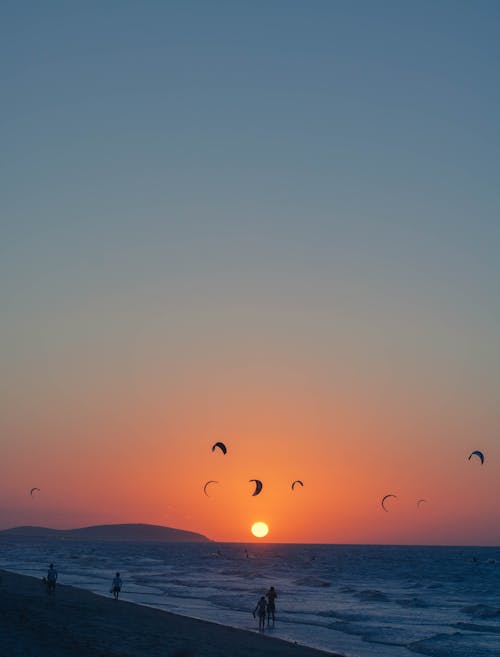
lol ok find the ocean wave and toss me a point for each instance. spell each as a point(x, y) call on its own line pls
point(387, 636)
point(481, 611)
point(371, 595)
point(412, 602)
point(474, 627)
point(454, 645)
point(311, 581)
point(342, 615)
point(349, 628)
point(240, 572)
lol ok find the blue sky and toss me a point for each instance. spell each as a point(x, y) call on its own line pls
point(349, 144)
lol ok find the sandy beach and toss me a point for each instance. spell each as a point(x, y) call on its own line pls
point(74, 622)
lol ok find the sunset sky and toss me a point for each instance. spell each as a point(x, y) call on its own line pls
point(274, 224)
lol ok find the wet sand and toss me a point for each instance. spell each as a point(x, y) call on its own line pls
point(77, 623)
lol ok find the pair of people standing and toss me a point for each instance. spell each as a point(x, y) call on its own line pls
point(266, 606)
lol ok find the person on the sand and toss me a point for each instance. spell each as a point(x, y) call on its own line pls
point(261, 607)
point(116, 586)
point(51, 578)
point(271, 596)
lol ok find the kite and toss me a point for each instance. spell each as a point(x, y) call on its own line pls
point(258, 486)
point(33, 490)
point(384, 499)
point(212, 481)
point(477, 453)
point(221, 446)
point(420, 502)
point(297, 481)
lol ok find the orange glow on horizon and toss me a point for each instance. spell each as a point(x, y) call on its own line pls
point(275, 431)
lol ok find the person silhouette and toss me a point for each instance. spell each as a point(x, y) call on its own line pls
point(116, 586)
point(261, 607)
point(51, 579)
point(271, 596)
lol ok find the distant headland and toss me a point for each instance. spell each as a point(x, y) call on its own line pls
point(127, 532)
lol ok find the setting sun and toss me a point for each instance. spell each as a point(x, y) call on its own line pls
point(260, 529)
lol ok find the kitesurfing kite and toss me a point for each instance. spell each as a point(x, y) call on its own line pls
point(221, 446)
point(477, 453)
point(212, 481)
point(258, 486)
point(384, 499)
point(420, 502)
point(297, 481)
point(33, 490)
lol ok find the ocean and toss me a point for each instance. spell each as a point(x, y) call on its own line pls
point(359, 601)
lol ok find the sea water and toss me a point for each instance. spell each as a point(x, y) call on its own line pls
point(359, 601)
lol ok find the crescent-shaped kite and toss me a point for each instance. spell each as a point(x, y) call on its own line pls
point(33, 490)
point(212, 481)
point(221, 446)
point(297, 481)
point(384, 499)
point(420, 502)
point(477, 453)
point(258, 486)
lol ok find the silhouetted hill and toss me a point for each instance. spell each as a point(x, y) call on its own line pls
point(139, 532)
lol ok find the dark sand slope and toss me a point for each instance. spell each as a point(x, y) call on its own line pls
point(76, 623)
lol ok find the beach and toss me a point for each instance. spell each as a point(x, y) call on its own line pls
point(74, 622)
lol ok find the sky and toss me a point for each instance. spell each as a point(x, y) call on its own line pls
point(274, 224)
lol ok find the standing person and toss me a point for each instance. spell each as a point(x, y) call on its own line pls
point(261, 606)
point(116, 585)
point(51, 579)
point(271, 607)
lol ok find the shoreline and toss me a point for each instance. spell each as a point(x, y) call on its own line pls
point(77, 623)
